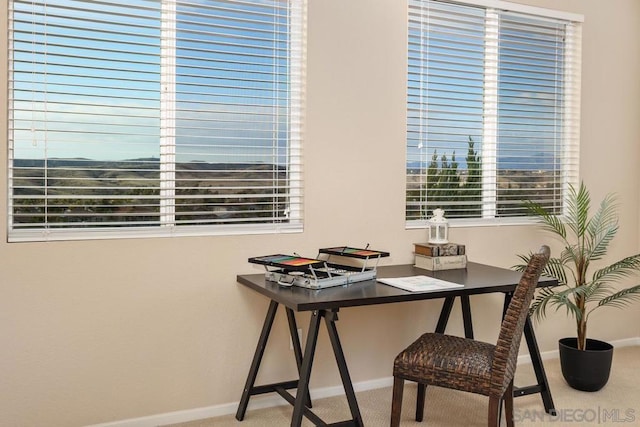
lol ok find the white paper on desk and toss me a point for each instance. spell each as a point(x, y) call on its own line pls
point(420, 283)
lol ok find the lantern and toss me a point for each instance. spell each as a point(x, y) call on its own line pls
point(438, 227)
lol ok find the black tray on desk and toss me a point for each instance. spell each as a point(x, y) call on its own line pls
point(288, 262)
point(351, 252)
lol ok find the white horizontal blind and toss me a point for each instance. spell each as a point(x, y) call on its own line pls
point(493, 110)
point(445, 107)
point(155, 116)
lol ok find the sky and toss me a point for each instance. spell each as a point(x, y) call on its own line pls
point(103, 84)
point(96, 91)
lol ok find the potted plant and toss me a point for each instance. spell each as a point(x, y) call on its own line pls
point(585, 362)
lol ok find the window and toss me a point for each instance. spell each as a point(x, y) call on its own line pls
point(155, 117)
point(492, 109)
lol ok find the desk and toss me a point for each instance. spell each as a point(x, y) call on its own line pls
point(325, 304)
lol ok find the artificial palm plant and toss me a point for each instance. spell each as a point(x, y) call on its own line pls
point(585, 239)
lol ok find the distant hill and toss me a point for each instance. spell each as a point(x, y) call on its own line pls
point(140, 163)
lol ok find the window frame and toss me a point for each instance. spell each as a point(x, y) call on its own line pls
point(167, 146)
point(570, 168)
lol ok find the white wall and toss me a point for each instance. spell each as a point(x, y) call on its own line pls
point(97, 331)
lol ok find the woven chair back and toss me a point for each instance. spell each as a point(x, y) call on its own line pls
point(506, 351)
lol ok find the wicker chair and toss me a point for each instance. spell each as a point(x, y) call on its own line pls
point(470, 365)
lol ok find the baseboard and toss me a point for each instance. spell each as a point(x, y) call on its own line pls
point(267, 401)
point(256, 402)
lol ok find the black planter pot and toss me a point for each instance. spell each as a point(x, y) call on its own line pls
point(586, 370)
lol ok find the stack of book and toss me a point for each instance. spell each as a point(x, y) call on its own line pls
point(446, 256)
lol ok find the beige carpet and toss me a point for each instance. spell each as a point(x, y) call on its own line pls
point(618, 403)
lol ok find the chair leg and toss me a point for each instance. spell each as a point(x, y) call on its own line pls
point(494, 408)
point(508, 404)
point(396, 402)
point(422, 389)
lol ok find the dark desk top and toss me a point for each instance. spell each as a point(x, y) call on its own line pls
point(476, 278)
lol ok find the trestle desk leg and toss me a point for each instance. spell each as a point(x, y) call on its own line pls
point(445, 312)
point(330, 320)
point(257, 358)
point(466, 316)
point(538, 367)
point(295, 340)
point(542, 385)
point(305, 372)
point(507, 301)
